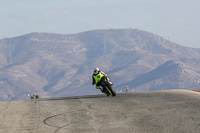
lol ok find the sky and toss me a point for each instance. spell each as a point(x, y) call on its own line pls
point(175, 20)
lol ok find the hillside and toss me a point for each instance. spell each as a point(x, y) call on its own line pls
point(53, 65)
point(170, 75)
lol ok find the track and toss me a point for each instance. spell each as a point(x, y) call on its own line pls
point(150, 112)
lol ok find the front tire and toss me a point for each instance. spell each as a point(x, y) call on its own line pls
point(110, 90)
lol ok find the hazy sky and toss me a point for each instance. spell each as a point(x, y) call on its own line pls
point(176, 20)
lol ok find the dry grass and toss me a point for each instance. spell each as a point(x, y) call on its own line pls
point(196, 90)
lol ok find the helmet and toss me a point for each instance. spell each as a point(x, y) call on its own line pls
point(96, 70)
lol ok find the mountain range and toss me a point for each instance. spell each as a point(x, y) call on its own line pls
point(56, 65)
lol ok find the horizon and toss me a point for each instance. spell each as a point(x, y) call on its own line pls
point(96, 30)
point(177, 21)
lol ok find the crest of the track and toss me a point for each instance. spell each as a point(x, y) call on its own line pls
point(174, 111)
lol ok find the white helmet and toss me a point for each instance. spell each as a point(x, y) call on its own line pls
point(96, 70)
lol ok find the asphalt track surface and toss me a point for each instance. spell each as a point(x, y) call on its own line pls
point(175, 111)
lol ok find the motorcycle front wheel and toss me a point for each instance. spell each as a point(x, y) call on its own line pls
point(110, 90)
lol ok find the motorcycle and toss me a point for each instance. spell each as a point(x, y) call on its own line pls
point(107, 87)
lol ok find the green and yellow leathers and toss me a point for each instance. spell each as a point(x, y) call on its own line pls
point(98, 77)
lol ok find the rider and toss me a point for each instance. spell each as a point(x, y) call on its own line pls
point(96, 78)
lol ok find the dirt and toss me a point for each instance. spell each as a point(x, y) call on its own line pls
point(196, 90)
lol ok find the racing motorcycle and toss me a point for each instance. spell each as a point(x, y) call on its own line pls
point(106, 87)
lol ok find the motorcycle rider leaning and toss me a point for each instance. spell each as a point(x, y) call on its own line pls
point(96, 78)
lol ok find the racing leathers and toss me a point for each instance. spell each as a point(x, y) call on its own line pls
point(96, 79)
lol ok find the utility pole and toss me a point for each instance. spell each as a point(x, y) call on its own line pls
point(104, 45)
point(9, 54)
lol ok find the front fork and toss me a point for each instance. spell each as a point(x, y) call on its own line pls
point(104, 82)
